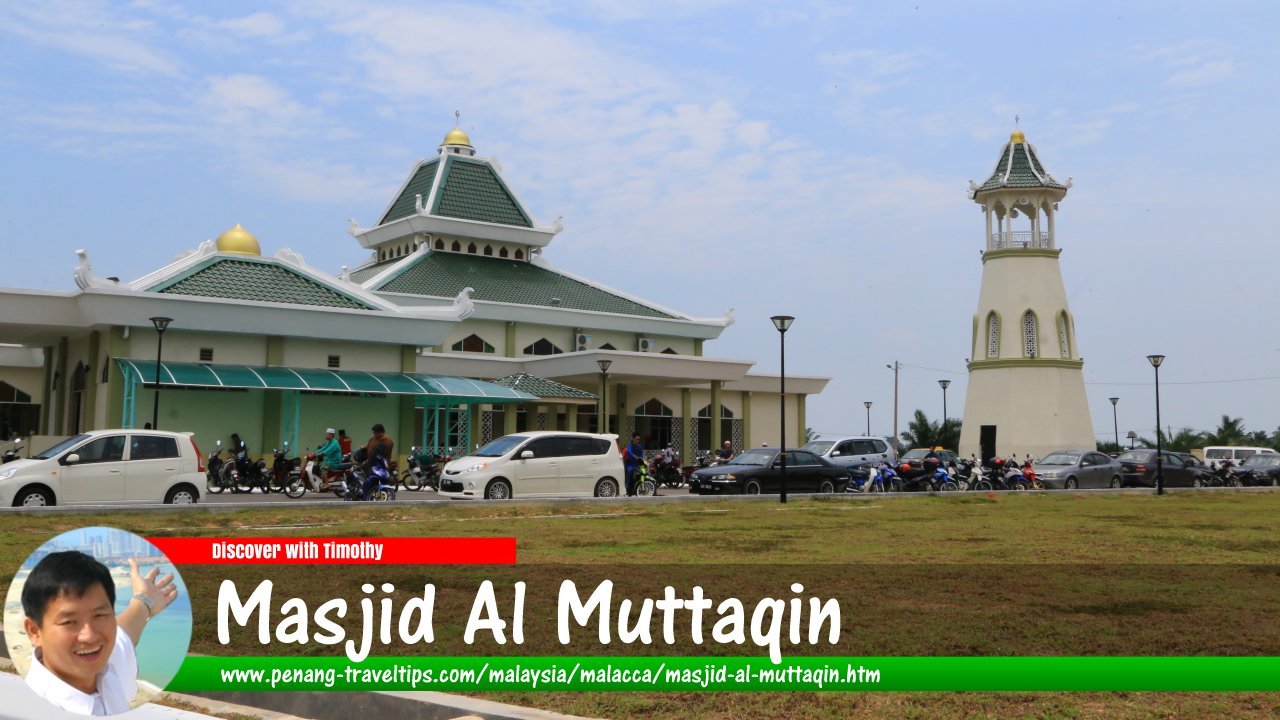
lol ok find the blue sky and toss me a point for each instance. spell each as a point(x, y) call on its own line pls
point(803, 158)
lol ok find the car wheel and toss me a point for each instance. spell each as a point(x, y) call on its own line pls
point(35, 496)
point(181, 495)
point(607, 487)
point(827, 487)
point(498, 490)
point(1116, 482)
point(751, 488)
point(1071, 484)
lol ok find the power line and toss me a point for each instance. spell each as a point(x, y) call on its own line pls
point(1193, 382)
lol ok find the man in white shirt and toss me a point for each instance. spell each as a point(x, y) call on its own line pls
point(83, 663)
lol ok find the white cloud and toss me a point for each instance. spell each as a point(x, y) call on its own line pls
point(91, 31)
point(1192, 63)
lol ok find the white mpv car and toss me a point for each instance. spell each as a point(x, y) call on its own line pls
point(107, 466)
point(533, 464)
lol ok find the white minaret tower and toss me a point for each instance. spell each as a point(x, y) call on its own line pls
point(1026, 381)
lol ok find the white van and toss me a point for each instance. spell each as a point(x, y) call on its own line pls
point(537, 464)
point(107, 466)
point(853, 452)
point(1214, 455)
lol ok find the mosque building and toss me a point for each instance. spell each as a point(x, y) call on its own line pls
point(456, 330)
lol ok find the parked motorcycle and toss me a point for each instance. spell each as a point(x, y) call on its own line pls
point(283, 476)
point(377, 484)
point(666, 468)
point(219, 474)
point(251, 474)
point(12, 453)
point(424, 469)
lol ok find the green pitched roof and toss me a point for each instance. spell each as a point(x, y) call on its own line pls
point(471, 190)
point(1019, 168)
point(361, 274)
point(441, 274)
point(256, 280)
point(542, 387)
point(420, 184)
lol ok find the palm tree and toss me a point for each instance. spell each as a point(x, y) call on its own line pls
point(1229, 432)
point(923, 432)
point(1184, 440)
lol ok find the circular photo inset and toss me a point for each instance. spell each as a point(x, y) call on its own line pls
point(97, 621)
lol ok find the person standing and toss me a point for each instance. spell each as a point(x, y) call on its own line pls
point(632, 456)
point(344, 442)
point(380, 438)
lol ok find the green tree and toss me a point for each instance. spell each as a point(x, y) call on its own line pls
point(810, 434)
point(1229, 432)
point(1110, 447)
point(1184, 440)
point(923, 432)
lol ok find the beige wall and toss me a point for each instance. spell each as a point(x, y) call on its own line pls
point(764, 420)
point(1058, 419)
point(184, 346)
point(301, 352)
point(29, 380)
point(493, 331)
point(527, 334)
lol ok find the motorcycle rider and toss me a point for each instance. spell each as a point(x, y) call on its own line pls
point(632, 456)
point(330, 452)
point(725, 453)
point(380, 438)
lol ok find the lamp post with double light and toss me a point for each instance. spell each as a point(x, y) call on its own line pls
point(867, 405)
point(601, 418)
point(1156, 361)
point(782, 322)
point(161, 324)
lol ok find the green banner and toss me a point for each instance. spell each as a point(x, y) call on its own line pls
point(684, 674)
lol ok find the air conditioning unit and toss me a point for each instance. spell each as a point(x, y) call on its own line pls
point(644, 344)
point(581, 342)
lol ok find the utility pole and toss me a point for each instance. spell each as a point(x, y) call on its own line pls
point(895, 367)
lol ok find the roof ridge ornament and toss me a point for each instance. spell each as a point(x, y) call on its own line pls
point(85, 278)
point(354, 229)
point(463, 304)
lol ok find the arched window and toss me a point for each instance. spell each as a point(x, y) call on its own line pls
point(472, 343)
point(471, 248)
point(654, 408)
point(439, 244)
point(542, 347)
point(669, 351)
point(608, 346)
point(1064, 341)
point(1030, 335)
point(488, 250)
point(993, 335)
point(457, 246)
point(653, 421)
point(502, 252)
point(519, 254)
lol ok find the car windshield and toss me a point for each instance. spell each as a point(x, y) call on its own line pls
point(1262, 461)
point(818, 447)
point(62, 446)
point(1060, 458)
point(757, 458)
point(501, 446)
point(916, 454)
point(1135, 456)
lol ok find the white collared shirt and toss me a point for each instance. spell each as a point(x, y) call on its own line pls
point(117, 685)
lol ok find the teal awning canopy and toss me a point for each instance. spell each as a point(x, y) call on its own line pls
point(274, 377)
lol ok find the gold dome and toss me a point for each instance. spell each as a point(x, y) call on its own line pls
point(456, 137)
point(238, 240)
point(1017, 138)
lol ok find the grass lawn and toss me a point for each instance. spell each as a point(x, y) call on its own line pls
point(968, 574)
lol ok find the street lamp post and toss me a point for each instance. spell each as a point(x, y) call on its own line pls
point(602, 403)
point(942, 429)
point(160, 323)
point(1156, 361)
point(1132, 436)
point(867, 405)
point(1114, 423)
point(895, 367)
point(782, 322)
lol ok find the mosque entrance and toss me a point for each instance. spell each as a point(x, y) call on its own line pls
point(987, 442)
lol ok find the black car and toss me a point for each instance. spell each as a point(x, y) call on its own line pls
point(912, 463)
point(1259, 470)
point(1138, 468)
point(759, 470)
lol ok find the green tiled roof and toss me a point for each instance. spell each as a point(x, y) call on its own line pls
point(420, 184)
point(256, 281)
point(471, 190)
point(542, 387)
point(360, 275)
point(441, 274)
point(1021, 172)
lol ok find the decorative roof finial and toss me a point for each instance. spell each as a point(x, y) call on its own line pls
point(457, 119)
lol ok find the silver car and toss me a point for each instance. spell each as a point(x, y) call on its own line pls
point(1071, 469)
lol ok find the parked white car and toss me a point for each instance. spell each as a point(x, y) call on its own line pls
point(853, 452)
point(537, 464)
point(107, 466)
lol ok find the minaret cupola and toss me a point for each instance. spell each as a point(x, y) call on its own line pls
point(457, 142)
point(1019, 199)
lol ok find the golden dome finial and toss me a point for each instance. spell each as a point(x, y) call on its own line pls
point(238, 240)
point(456, 136)
point(1017, 138)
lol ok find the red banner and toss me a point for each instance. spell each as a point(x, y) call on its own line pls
point(338, 551)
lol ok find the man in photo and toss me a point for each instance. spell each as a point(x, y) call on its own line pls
point(84, 659)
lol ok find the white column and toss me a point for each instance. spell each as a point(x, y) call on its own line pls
point(987, 211)
point(1053, 241)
